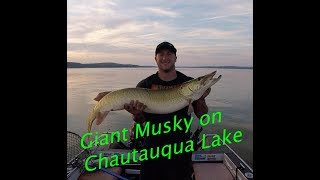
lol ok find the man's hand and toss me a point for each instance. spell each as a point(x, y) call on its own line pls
point(206, 93)
point(200, 107)
point(135, 107)
point(101, 95)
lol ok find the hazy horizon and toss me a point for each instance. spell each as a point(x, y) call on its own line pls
point(156, 65)
point(205, 33)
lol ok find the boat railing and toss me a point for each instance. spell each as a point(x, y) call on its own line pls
point(226, 145)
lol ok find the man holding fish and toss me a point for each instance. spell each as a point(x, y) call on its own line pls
point(167, 77)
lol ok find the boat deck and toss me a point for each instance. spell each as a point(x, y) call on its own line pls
point(219, 163)
point(218, 171)
point(100, 175)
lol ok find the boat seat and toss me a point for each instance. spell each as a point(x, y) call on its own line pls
point(211, 171)
point(100, 175)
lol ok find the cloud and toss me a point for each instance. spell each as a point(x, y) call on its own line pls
point(122, 31)
point(161, 12)
point(228, 15)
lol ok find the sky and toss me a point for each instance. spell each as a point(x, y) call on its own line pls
point(205, 33)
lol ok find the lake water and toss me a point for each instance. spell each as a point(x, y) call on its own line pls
point(232, 96)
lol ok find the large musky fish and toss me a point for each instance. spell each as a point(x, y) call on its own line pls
point(156, 101)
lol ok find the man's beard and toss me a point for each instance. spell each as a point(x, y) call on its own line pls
point(169, 69)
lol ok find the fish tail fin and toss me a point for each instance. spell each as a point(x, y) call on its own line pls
point(90, 119)
point(101, 116)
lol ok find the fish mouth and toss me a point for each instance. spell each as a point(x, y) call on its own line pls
point(208, 77)
point(209, 80)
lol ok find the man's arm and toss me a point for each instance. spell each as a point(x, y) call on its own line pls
point(200, 106)
point(136, 109)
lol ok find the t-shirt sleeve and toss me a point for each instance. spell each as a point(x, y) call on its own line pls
point(142, 84)
point(188, 78)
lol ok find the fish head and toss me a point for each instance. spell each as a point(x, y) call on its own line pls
point(195, 88)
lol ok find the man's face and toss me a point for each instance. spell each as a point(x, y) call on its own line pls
point(166, 60)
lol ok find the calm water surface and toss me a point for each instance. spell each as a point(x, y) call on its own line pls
point(232, 96)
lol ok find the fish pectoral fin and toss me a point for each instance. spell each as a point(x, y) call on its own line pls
point(190, 107)
point(101, 116)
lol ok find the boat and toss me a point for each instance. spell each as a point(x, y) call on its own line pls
point(219, 163)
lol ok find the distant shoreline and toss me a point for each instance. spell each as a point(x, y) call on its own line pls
point(116, 65)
